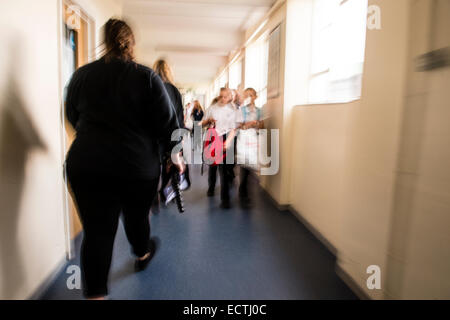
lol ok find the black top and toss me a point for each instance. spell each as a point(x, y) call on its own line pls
point(197, 115)
point(177, 101)
point(120, 111)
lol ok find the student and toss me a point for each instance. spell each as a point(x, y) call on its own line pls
point(197, 116)
point(222, 116)
point(188, 123)
point(187, 107)
point(248, 117)
point(163, 70)
point(236, 99)
point(120, 110)
point(197, 112)
point(214, 101)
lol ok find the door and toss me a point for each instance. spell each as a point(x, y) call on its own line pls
point(78, 39)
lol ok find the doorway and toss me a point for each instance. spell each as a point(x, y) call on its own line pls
point(77, 36)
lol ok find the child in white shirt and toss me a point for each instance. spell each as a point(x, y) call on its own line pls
point(223, 117)
point(248, 117)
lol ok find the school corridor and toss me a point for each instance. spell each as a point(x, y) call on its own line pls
point(213, 254)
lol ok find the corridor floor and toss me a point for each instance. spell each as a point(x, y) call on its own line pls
point(214, 254)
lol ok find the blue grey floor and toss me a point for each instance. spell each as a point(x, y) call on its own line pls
point(210, 253)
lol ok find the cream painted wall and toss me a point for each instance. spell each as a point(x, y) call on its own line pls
point(32, 227)
point(344, 155)
point(318, 162)
point(342, 175)
point(372, 176)
point(372, 148)
point(32, 235)
point(419, 253)
point(274, 107)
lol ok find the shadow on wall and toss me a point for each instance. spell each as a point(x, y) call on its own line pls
point(18, 136)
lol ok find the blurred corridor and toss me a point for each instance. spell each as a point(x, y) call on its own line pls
point(358, 91)
point(213, 254)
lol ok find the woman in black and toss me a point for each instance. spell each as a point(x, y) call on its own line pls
point(121, 112)
point(197, 116)
point(197, 112)
point(164, 71)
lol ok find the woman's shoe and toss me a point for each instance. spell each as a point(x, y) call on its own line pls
point(141, 265)
point(225, 204)
point(210, 193)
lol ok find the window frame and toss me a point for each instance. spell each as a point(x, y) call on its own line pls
point(262, 43)
point(328, 70)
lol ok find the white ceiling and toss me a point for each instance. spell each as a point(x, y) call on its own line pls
point(195, 36)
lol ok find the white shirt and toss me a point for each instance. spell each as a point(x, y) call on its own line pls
point(246, 114)
point(188, 111)
point(225, 117)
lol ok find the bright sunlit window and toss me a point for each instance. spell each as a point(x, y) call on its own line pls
point(223, 80)
point(256, 69)
point(235, 77)
point(216, 88)
point(338, 47)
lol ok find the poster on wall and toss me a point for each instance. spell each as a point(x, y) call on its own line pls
point(273, 80)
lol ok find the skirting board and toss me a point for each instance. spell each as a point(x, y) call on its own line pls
point(43, 287)
point(281, 207)
point(341, 273)
point(351, 284)
point(314, 231)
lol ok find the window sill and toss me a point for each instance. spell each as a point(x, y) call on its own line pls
point(324, 103)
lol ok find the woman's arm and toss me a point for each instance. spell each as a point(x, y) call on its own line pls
point(230, 139)
point(179, 108)
point(163, 115)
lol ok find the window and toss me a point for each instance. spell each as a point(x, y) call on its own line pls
point(216, 88)
point(256, 69)
point(223, 80)
point(210, 96)
point(338, 46)
point(235, 77)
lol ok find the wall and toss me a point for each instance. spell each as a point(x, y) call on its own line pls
point(372, 176)
point(372, 148)
point(275, 106)
point(32, 235)
point(340, 171)
point(419, 255)
point(318, 162)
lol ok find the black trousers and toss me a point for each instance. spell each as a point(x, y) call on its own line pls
point(226, 172)
point(243, 187)
point(100, 202)
point(226, 178)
